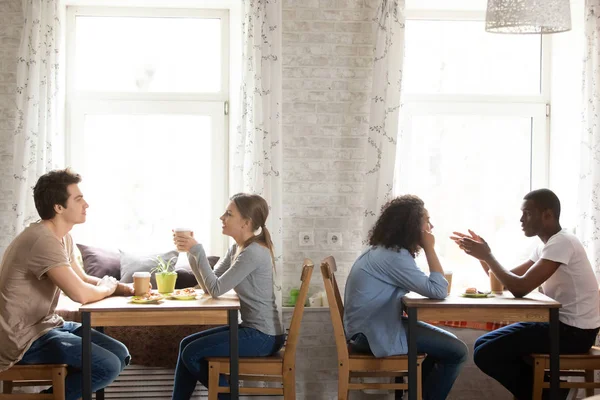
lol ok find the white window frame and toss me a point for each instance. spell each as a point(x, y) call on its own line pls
point(80, 103)
point(535, 106)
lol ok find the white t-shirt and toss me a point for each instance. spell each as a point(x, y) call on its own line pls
point(574, 283)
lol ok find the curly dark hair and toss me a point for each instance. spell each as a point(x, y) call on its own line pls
point(399, 225)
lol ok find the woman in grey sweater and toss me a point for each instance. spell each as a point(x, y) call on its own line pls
point(247, 268)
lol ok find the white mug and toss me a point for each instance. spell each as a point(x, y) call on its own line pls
point(185, 231)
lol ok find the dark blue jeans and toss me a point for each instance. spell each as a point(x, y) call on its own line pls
point(63, 346)
point(500, 353)
point(194, 349)
point(446, 355)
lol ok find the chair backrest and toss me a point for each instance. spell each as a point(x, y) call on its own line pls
point(289, 356)
point(336, 306)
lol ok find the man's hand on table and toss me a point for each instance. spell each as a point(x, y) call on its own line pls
point(124, 289)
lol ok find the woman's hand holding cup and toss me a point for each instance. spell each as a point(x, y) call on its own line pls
point(184, 239)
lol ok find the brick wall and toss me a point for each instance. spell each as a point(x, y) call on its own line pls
point(10, 35)
point(327, 68)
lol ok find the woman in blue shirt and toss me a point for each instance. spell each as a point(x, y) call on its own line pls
point(384, 273)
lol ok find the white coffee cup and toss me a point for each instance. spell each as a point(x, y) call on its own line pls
point(185, 231)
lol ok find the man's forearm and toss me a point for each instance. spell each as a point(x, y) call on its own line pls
point(92, 280)
point(514, 283)
point(486, 268)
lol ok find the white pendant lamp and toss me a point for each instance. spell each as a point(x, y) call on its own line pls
point(528, 16)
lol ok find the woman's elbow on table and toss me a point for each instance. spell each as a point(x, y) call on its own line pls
point(439, 293)
point(214, 292)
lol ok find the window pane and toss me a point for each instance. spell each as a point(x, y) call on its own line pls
point(460, 57)
point(148, 54)
point(143, 176)
point(472, 172)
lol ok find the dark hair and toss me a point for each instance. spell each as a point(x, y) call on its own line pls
point(545, 199)
point(256, 209)
point(399, 225)
point(51, 189)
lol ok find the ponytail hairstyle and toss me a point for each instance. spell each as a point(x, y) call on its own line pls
point(255, 208)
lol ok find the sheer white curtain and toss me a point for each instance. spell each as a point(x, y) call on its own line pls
point(39, 142)
point(589, 185)
point(385, 105)
point(257, 157)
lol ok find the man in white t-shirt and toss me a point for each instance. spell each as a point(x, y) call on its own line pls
point(561, 267)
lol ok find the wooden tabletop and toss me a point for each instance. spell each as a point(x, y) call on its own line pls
point(228, 301)
point(501, 308)
point(534, 299)
point(204, 310)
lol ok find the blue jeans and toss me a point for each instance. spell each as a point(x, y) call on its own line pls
point(194, 349)
point(446, 355)
point(500, 353)
point(63, 346)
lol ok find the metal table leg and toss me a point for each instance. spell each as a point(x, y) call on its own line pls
point(412, 353)
point(232, 316)
point(100, 392)
point(86, 355)
point(554, 354)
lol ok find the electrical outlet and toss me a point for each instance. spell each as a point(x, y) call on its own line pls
point(334, 239)
point(306, 238)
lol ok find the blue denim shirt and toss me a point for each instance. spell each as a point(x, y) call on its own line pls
point(374, 289)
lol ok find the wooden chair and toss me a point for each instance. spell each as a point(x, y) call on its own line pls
point(570, 365)
point(280, 367)
point(34, 375)
point(354, 365)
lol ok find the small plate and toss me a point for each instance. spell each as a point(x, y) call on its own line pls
point(477, 295)
point(182, 297)
point(183, 294)
point(143, 300)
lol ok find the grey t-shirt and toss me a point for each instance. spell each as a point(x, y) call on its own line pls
point(250, 275)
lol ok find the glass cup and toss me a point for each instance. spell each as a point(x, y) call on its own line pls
point(294, 292)
point(495, 284)
point(141, 283)
point(448, 276)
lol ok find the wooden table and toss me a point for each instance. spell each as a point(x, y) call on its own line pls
point(119, 311)
point(535, 307)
